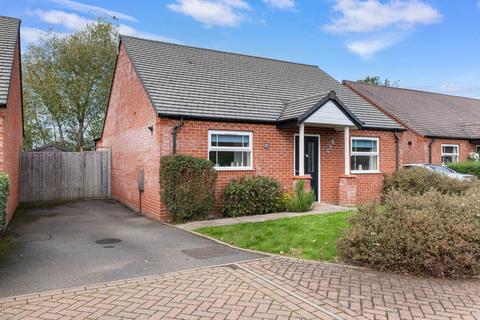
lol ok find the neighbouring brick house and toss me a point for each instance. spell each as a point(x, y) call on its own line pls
point(441, 128)
point(249, 115)
point(11, 120)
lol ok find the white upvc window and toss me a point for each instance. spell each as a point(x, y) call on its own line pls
point(450, 153)
point(477, 149)
point(230, 150)
point(364, 155)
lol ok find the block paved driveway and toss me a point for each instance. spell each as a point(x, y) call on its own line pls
point(269, 288)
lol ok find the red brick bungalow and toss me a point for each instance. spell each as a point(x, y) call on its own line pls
point(248, 115)
point(441, 128)
point(11, 122)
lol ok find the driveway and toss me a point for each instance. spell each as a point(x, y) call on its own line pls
point(88, 242)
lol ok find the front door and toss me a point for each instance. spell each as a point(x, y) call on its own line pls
point(311, 160)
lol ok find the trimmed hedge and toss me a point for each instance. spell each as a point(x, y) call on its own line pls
point(433, 234)
point(4, 191)
point(187, 187)
point(417, 181)
point(468, 167)
point(247, 196)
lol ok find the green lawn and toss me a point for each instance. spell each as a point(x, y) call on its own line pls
point(309, 237)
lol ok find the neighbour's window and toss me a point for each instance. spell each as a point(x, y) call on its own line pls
point(230, 149)
point(477, 149)
point(364, 156)
point(449, 153)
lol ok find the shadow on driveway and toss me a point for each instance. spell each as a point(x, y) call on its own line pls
point(94, 241)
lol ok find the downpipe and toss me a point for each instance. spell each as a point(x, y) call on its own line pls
point(397, 150)
point(174, 134)
point(430, 150)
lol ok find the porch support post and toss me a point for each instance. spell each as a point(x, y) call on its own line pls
point(301, 147)
point(346, 133)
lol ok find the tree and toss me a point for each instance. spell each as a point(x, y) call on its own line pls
point(377, 81)
point(66, 86)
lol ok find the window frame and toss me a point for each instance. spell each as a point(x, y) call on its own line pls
point(238, 149)
point(360, 153)
point(442, 154)
point(477, 148)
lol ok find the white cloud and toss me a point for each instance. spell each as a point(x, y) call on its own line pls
point(73, 22)
point(34, 35)
point(93, 10)
point(460, 89)
point(373, 15)
point(129, 31)
point(70, 21)
point(384, 23)
point(226, 13)
point(366, 48)
point(281, 4)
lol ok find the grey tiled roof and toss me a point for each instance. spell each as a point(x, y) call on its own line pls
point(188, 81)
point(9, 28)
point(295, 108)
point(429, 114)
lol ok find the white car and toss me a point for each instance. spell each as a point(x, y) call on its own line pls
point(442, 170)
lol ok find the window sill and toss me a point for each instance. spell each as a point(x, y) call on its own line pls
point(365, 172)
point(234, 169)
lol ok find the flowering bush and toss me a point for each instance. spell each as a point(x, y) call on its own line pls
point(474, 156)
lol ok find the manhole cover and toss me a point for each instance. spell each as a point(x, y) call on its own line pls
point(108, 241)
point(209, 252)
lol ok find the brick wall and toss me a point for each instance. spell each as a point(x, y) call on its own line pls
point(134, 147)
point(11, 134)
point(278, 160)
point(414, 148)
point(369, 185)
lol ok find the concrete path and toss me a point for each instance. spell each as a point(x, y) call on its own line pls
point(320, 208)
point(95, 241)
point(269, 288)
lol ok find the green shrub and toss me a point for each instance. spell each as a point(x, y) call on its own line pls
point(251, 195)
point(300, 200)
point(4, 190)
point(433, 234)
point(187, 187)
point(419, 181)
point(469, 167)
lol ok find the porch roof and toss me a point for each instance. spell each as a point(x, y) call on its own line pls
point(303, 109)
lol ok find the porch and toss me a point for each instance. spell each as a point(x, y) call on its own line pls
point(326, 112)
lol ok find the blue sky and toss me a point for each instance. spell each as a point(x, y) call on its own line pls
point(430, 45)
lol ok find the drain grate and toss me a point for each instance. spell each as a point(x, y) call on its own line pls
point(108, 241)
point(209, 252)
point(32, 237)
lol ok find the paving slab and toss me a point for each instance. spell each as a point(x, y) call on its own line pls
point(319, 208)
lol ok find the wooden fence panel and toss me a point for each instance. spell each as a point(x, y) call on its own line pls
point(57, 176)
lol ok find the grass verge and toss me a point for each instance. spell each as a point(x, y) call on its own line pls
point(310, 237)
